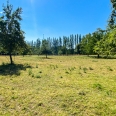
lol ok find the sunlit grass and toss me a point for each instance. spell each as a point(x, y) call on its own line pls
point(59, 86)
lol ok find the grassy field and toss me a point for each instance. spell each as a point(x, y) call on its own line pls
point(57, 86)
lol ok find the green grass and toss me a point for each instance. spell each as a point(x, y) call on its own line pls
point(57, 86)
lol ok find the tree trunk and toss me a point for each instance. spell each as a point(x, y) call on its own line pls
point(98, 56)
point(11, 62)
point(107, 55)
point(46, 55)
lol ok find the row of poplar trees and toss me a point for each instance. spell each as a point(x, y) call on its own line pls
point(55, 46)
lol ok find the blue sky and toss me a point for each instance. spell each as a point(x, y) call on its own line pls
point(55, 18)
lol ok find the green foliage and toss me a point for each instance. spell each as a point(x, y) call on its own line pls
point(90, 40)
point(45, 47)
point(26, 50)
point(107, 45)
point(11, 35)
point(87, 44)
point(111, 22)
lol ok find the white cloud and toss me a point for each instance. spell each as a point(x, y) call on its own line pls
point(1, 12)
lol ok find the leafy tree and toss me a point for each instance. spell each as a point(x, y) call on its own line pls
point(78, 49)
point(86, 44)
point(45, 47)
point(89, 41)
point(107, 45)
point(111, 22)
point(26, 50)
point(99, 47)
point(102, 43)
point(110, 43)
point(11, 35)
point(113, 3)
point(63, 51)
point(107, 38)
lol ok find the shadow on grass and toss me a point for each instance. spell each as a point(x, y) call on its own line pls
point(14, 69)
point(103, 57)
point(46, 58)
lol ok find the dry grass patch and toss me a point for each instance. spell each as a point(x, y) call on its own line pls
point(60, 85)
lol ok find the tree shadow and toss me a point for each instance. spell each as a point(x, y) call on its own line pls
point(14, 69)
point(46, 58)
point(103, 57)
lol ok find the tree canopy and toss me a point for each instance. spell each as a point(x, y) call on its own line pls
point(11, 35)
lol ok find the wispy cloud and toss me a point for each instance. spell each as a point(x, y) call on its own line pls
point(32, 1)
point(1, 12)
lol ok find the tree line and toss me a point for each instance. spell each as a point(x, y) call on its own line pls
point(55, 46)
point(100, 42)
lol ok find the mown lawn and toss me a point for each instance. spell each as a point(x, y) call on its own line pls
point(57, 86)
